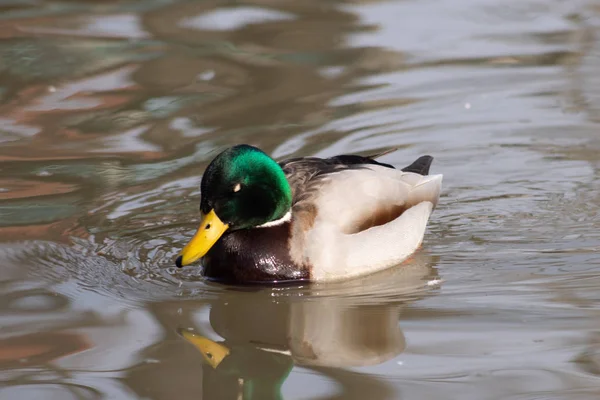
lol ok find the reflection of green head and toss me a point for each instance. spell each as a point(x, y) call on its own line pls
point(245, 187)
point(258, 374)
point(246, 370)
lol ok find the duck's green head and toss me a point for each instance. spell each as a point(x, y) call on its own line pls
point(241, 188)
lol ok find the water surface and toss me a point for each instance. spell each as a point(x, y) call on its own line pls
point(110, 111)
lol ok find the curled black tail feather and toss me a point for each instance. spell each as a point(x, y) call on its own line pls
point(420, 166)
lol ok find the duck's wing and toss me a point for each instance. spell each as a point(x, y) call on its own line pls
point(306, 174)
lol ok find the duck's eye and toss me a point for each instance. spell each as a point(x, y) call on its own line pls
point(207, 226)
point(209, 356)
point(237, 188)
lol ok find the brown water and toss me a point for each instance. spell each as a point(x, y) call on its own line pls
point(110, 110)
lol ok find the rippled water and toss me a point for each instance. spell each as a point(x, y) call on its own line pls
point(110, 110)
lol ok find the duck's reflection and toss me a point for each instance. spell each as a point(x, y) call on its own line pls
point(264, 333)
point(262, 343)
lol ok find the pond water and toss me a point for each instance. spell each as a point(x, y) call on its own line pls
point(110, 111)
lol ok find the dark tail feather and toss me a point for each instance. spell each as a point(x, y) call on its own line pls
point(420, 166)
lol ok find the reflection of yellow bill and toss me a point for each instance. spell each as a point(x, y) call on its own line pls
point(212, 352)
point(210, 230)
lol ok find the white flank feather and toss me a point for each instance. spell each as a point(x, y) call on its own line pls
point(337, 249)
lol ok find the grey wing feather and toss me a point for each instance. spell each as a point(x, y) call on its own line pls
point(306, 174)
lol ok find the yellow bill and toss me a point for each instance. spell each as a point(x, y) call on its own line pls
point(212, 352)
point(210, 230)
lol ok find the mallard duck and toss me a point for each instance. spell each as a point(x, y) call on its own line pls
point(313, 219)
